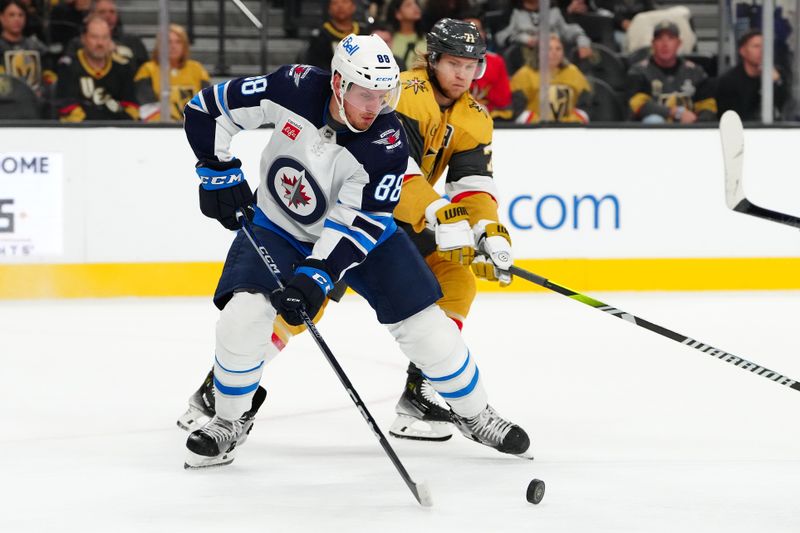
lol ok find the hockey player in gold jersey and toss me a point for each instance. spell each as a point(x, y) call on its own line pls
point(448, 129)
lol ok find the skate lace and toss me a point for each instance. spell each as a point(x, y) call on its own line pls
point(429, 394)
point(490, 426)
point(222, 430)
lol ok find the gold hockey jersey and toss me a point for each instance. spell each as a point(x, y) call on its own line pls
point(457, 138)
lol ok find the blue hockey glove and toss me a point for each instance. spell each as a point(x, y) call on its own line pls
point(223, 190)
point(306, 290)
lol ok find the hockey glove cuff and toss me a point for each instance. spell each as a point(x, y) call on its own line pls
point(223, 190)
point(454, 239)
point(494, 247)
point(306, 290)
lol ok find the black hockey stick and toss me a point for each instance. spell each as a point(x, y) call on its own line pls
point(420, 490)
point(722, 355)
point(732, 134)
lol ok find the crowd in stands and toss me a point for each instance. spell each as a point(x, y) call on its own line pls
point(607, 60)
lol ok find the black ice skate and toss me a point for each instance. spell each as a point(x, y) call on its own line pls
point(215, 443)
point(490, 429)
point(421, 414)
point(201, 405)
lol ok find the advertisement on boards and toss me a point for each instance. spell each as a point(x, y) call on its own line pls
point(31, 198)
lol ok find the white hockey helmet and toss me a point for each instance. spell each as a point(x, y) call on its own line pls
point(365, 62)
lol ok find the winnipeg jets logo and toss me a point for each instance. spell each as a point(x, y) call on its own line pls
point(294, 190)
point(298, 72)
point(390, 139)
point(415, 84)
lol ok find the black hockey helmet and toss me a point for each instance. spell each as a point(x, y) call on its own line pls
point(457, 38)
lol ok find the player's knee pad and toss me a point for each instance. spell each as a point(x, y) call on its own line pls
point(433, 342)
point(244, 339)
point(244, 328)
point(428, 337)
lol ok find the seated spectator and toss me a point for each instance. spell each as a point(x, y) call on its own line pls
point(569, 89)
point(187, 78)
point(66, 19)
point(127, 47)
point(624, 11)
point(523, 28)
point(492, 90)
point(20, 56)
point(384, 32)
point(94, 85)
point(740, 87)
point(408, 42)
point(667, 88)
point(339, 25)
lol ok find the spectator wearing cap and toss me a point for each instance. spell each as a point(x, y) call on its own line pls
point(667, 88)
point(740, 87)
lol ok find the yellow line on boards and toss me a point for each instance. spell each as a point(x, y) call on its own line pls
point(102, 280)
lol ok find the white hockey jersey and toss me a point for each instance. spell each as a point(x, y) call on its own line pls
point(332, 190)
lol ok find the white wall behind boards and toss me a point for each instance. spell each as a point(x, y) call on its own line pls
point(129, 194)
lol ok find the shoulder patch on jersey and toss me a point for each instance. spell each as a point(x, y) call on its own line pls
point(298, 72)
point(291, 129)
point(415, 84)
point(473, 104)
point(390, 139)
point(295, 190)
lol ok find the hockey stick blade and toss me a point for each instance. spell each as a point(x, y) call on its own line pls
point(420, 490)
point(722, 355)
point(732, 136)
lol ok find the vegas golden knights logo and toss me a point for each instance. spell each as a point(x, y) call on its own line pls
point(560, 101)
point(97, 95)
point(180, 97)
point(24, 64)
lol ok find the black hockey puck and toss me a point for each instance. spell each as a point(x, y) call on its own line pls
point(535, 491)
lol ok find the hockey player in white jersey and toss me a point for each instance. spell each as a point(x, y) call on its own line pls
point(330, 178)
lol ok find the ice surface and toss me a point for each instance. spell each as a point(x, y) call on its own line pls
point(631, 431)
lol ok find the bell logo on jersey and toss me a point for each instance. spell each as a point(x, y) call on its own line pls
point(390, 139)
point(298, 72)
point(291, 129)
point(295, 190)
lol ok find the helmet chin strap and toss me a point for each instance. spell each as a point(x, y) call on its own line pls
point(340, 103)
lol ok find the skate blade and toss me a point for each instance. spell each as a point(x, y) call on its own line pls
point(408, 427)
point(524, 455)
point(192, 419)
point(197, 462)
